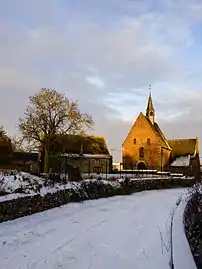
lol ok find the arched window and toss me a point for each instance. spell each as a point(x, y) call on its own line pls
point(148, 141)
point(141, 152)
point(134, 141)
point(151, 113)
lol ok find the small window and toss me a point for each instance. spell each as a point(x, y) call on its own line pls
point(97, 170)
point(96, 161)
point(148, 141)
point(141, 152)
point(134, 141)
point(151, 113)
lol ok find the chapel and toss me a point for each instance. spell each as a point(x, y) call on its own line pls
point(146, 147)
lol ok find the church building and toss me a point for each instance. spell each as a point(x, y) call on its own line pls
point(146, 147)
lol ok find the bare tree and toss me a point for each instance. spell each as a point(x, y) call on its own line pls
point(5, 144)
point(2, 131)
point(17, 143)
point(20, 144)
point(49, 114)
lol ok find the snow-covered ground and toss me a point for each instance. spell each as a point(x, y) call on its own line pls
point(182, 257)
point(119, 232)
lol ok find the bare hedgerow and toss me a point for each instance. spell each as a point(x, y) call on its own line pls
point(193, 221)
point(3, 185)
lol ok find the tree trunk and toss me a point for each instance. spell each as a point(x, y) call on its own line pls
point(46, 164)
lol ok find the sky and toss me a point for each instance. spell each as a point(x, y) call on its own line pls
point(105, 54)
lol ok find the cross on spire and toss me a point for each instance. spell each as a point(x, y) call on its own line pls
point(150, 89)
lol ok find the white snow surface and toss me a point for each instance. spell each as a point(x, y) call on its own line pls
point(182, 257)
point(130, 232)
point(10, 182)
point(181, 161)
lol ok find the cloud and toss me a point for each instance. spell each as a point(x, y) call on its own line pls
point(96, 81)
point(105, 55)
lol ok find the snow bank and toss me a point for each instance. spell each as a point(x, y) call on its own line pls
point(182, 256)
point(20, 182)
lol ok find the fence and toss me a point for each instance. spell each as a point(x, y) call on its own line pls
point(186, 171)
point(60, 165)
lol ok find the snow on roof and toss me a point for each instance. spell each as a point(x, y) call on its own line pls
point(181, 161)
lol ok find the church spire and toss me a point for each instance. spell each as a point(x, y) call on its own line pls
point(150, 112)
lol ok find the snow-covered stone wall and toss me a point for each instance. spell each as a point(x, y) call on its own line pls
point(14, 205)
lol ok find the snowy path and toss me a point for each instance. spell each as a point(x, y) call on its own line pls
point(118, 232)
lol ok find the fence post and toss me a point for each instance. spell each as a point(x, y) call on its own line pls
point(106, 167)
point(89, 167)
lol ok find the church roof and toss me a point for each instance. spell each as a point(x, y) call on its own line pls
point(157, 130)
point(183, 147)
point(74, 144)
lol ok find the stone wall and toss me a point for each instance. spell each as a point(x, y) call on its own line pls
point(94, 189)
point(86, 164)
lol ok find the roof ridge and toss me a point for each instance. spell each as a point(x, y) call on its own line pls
point(176, 139)
point(162, 136)
point(157, 129)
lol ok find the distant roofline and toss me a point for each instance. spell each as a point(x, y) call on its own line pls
point(180, 139)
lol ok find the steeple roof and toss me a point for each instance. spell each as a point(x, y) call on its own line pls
point(150, 106)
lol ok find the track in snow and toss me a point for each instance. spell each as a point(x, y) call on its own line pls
point(129, 232)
